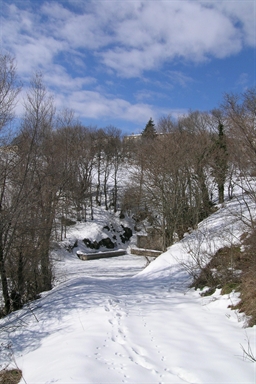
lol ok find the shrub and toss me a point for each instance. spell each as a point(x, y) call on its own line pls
point(12, 376)
point(247, 303)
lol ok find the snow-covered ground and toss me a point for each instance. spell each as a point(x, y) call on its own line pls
point(112, 321)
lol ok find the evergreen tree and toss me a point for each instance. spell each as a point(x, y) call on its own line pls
point(149, 131)
point(221, 161)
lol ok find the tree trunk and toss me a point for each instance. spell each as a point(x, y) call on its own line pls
point(6, 296)
point(98, 194)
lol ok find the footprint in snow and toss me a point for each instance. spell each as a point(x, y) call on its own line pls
point(186, 376)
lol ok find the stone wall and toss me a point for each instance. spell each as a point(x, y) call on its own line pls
point(152, 240)
point(145, 252)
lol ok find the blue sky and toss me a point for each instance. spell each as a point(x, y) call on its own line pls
point(121, 62)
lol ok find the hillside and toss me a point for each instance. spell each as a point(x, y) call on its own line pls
point(112, 321)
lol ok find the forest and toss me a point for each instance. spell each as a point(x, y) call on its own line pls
point(54, 171)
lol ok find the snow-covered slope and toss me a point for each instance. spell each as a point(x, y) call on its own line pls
point(112, 321)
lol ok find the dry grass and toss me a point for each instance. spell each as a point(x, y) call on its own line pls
point(221, 272)
point(12, 376)
point(247, 303)
point(230, 269)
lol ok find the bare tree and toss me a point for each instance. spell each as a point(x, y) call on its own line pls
point(161, 177)
point(240, 114)
point(99, 147)
point(83, 162)
point(114, 157)
point(38, 128)
point(196, 125)
point(8, 89)
point(8, 95)
point(172, 175)
point(167, 124)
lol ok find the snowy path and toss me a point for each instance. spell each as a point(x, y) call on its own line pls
point(145, 329)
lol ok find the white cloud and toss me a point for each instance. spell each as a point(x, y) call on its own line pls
point(125, 38)
point(57, 78)
point(177, 77)
point(55, 11)
point(243, 81)
point(130, 37)
point(37, 54)
point(163, 31)
point(242, 14)
point(24, 37)
point(146, 94)
point(129, 62)
point(79, 30)
point(94, 105)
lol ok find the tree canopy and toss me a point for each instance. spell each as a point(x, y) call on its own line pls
point(149, 131)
